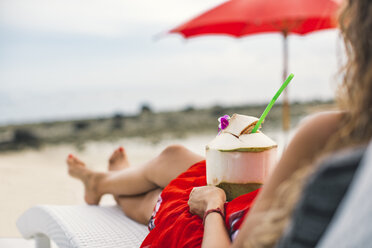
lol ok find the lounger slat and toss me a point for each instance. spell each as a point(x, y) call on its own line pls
point(82, 226)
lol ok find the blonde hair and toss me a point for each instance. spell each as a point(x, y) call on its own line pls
point(354, 97)
point(277, 216)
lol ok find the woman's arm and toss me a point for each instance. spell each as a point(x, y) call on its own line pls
point(206, 198)
point(308, 142)
point(215, 233)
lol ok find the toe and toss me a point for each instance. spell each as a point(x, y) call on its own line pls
point(113, 157)
point(74, 162)
point(78, 161)
point(121, 152)
point(69, 158)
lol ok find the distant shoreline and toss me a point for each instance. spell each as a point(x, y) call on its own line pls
point(147, 124)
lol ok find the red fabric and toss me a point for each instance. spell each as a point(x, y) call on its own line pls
point(244, 17)
point(175, 226)
point(237, 209)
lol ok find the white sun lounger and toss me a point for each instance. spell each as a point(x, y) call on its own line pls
point(81, 227)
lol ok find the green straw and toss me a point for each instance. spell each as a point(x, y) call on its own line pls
point(263, 116)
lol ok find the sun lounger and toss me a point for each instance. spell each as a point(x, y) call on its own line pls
point(81, 227)
point(335, 207)
point(352, 224)
point(321, 196)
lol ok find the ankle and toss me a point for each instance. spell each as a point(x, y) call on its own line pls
point(101, 179)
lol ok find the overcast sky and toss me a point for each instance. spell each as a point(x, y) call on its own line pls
point(78, 58)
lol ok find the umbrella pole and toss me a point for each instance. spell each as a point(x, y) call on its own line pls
point(285, 111)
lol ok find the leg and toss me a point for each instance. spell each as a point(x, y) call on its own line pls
point(138, 207)
point(156, 173)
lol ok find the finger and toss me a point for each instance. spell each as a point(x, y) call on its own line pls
point(190, 210)
point(192, 191)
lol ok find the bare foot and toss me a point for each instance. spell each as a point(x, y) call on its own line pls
point(118, 160)
point(91, 179)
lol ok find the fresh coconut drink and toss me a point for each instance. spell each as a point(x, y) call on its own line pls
point(239, 161)
point(240, 158)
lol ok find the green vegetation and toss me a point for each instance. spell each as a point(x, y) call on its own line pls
point(147, 124)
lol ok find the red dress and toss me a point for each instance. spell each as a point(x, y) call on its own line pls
point(172, 225)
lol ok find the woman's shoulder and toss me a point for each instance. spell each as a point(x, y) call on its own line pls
point(309, 140)
point(322, 124)
point(323, 118)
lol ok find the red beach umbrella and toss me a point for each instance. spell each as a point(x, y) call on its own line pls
point(239, 18)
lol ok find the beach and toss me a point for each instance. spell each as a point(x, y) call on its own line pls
point(38, 175)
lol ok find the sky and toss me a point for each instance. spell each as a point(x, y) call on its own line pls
point(83, 58)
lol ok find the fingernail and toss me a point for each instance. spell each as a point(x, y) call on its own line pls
point(70, 156)
point(121, 149)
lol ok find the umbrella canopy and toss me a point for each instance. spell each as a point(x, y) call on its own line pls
point(244, 17)
point(239, 18)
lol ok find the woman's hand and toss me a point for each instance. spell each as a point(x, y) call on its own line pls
point(204, 198)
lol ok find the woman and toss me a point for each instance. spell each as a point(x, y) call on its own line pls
point(137, 189)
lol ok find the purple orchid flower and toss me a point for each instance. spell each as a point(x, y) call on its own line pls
point(224, 122)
